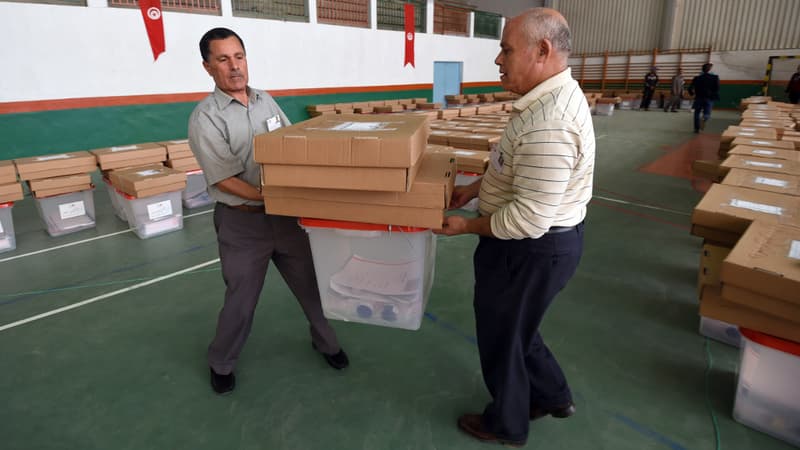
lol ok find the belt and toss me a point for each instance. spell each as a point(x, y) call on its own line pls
point(556, 230)
point(248, 208)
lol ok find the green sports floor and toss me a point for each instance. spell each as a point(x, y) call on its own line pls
point(103, 335)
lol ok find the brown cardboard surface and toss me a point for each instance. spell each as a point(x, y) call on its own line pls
point(87, 168)
point(43, 193)
point(177, 149)
point(432, 189)
point(764, 181)
point(11, 192)
point(765, 152)
point(8, 173)
point(761, 164)
point(766, 260)
point(378, 214)
point(473, 141)
point(708, 169)
point(711, 258)
point(142, 181)
point(396, 141)
point(474, 161)
point(185, 164)
point(127, 155)
point(714, 305)
point(63, 163)
point(61, 182)
point(731, 209)
point(763, 143)
point(392, 179)
point(733, 132)
point(759, 302)
point(155, 190)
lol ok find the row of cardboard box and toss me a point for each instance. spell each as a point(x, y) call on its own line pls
point(750, 223)
point(433, 110)
point(56, 174)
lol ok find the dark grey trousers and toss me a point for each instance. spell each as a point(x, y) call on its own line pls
point(247, 243)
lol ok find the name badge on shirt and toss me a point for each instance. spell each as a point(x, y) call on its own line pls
point(273, 123)
point(496, 158)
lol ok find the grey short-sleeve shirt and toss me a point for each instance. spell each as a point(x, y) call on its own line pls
point(221, 131)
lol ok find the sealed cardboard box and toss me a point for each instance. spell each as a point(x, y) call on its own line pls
point(44, 193)
point(766, 260)
point(37, 167)
point(771, 182)
point(392, 179)
point(709, 170)
point(725, 212)
point(11, 192)
point(473, 141)
point(765, 152)
point(715, 306)
point(347, 141)
point(177, 149)
point(447, 113)
point(8, 173)
point(763, 143)
point(423, 206)
point(759, 302)
point(48, 187)
point(711, 258)
point(149, 180)
point(129, 155)
point(473, 161)
point(761, 164)
point(185, 164)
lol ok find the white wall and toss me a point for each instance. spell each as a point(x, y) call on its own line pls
point(73, 52)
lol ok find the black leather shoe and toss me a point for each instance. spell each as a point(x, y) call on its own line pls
point(338, 360)
point(222, 384)
point(561, 412)
point(472, 424)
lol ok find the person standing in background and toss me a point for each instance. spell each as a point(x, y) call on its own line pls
point(676, 93)
point(650, 83)
point(221, 131)
point(793, 87)
point(705, 88)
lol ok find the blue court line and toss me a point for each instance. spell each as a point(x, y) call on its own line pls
point(656, 436)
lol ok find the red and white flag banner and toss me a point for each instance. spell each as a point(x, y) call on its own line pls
point(151, 13)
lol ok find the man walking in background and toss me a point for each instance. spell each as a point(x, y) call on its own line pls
point(676, 93)
point(705, 88)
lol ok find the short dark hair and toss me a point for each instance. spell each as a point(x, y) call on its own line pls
point(213, 35)
point(707, 67)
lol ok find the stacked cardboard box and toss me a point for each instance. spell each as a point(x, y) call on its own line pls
point(180, 156)
point(10, 188)
point(471, 161)
point(732, 132)
point(151, 198)
point(455, 99)
point(120, 157)
point(146, 181)
point(318, 110)
point(51, 175)
point(355, 168)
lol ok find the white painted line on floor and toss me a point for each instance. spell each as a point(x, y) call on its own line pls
point(107, 295)
point(657, 208)
point(600, 137)
point(50, 249)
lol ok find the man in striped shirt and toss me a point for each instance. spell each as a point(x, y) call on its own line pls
point(532, 205)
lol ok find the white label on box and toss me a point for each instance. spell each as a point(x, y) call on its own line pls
point(124, 148)
point(757, 207)
point(51, 157)
point(70, 210)
point(772, 182)
point(763, 152)
point(794, 250)
point(749, 129)
point(746, 134)
point(763, 164)
point(464, 152)
point(762, 142)
point(147, 173)
point(159, 210)
point(361, 126)
point(182, 141)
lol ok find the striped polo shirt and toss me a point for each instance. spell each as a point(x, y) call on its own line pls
point(547, 156)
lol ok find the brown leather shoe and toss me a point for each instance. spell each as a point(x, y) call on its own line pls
point(560, 412)
point(472, 424)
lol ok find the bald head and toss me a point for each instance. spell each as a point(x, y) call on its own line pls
point(545, 23)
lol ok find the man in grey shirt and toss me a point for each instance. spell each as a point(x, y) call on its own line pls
point(676, 93)
point(221, 131)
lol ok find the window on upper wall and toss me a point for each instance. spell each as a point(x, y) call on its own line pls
point(293, 10)
point(352, 13)
point(487, 25)
point(391, 15)
point(191, 6)
point(450, 19)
